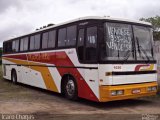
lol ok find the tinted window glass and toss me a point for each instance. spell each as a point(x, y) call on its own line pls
point(44, 40)
point(25, 46)
point(52, 39)
point(13, 46)
point(32, 43)
point(71, 36)
point(81, 44)
point(91, 44)
point(7, 47)
point(22, 44)
point(62, 37)
point(17, 46)
point(37, 42)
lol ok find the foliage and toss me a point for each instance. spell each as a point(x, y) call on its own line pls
point(155, 21)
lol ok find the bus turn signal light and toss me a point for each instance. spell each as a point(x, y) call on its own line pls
point(108, 73)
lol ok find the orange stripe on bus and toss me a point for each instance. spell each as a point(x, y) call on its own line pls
point(47, 77)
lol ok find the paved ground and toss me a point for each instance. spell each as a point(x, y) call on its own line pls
point(43, 105)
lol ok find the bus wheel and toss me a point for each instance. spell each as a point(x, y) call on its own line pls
point(14, 77)
point(70, 89)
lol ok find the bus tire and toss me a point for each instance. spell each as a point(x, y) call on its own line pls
point(70, 88)
point(14, 77)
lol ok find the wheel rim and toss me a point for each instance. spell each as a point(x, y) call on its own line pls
point(70, 87)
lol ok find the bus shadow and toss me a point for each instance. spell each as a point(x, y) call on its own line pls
point(115, 104)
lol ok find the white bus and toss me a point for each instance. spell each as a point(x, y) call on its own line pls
point(97, 58)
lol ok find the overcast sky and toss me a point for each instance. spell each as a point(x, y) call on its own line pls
point(18, 17)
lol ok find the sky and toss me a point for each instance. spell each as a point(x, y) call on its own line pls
point(18, 17)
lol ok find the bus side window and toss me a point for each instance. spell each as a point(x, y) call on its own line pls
point(16, 45)
point(8, 47)
point(35, 42)
point(13, 46)
point(52, 39)
point(45, 37)
point(32, 43)
point(24, 44)
point(80, 48)
point(71, 36)
point(62, 37)
point(91, 44)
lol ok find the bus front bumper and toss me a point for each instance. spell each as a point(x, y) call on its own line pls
point(121, 92)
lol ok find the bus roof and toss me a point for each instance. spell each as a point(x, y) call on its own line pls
point(87, 18)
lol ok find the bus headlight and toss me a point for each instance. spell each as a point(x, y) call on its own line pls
point(117, 92)
point(113, 93)
point(120, 92)
point(149, 88)
point(153, 88)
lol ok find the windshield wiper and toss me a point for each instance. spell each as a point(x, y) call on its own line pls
point(140, 49)
point(144, 53)
point(127, 55)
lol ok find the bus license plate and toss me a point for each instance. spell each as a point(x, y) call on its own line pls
point(136, 91)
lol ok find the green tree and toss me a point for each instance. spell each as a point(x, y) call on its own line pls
point(155, 21)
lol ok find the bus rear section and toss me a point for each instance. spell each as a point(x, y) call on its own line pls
point(118, 82)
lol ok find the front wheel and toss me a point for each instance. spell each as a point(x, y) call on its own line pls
point(70, 89)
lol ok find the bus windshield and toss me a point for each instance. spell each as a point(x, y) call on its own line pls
point(127, 42)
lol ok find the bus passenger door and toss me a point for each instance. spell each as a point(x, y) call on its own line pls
point(91, 73)
point(87, 53)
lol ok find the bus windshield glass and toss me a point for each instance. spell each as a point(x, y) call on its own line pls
point(127, 42)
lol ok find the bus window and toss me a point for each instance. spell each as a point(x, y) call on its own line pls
point(62, 37)
point(15, 46)
point(24, 44)
point(44, 40)
point(71, 36)
point(7, 47)
point(32, 43)
point(81, 44)
point(21, 45)
point(35, 42)
point(52, 39)
point(91, 44)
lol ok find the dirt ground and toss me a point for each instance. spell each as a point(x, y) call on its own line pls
point(44, 105)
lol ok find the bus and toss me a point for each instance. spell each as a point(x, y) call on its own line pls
point(96, 58)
